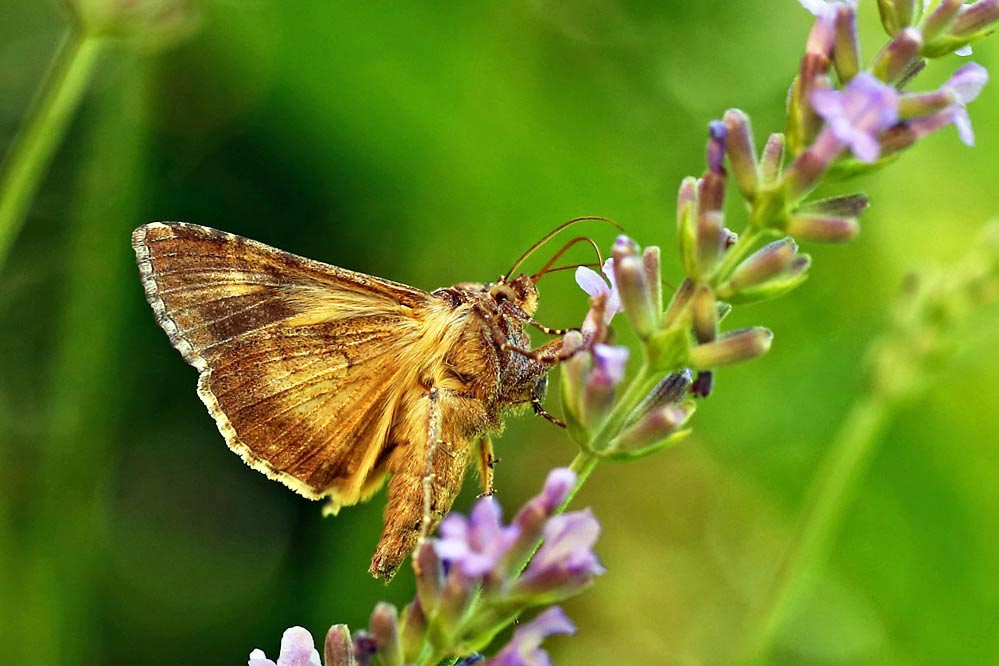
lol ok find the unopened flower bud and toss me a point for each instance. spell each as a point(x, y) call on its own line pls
point(741, 152)
point(919, 105)
point(598, 393)
point(429, 575)
point(897, 14)
point(670, 390)
point(895, 59)
point(339, 648)
point(385, 630)
point(624, 247)
point(531, 519)
point(766, 263)
point(846, 53)
point(653, 277)
point(733, 347)
point(686, 224)
point(847, 205)
point(718, 137)
point(711, 241)
point(825, 229)
point(655, 427)
point(705, 314)
point(454, 600)
point(413, 631)
point(940, 20)
point(678, 303)
point(976, 18)
point(636, 295)
point(772, 160)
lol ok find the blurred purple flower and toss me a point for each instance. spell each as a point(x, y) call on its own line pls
point(964, 85)
point(610, 362)
point(524, 649)
point(855, 116)
point(821, 8)
point(297, 649)
point(591, 282)
point(567, 552)
point(476, 544)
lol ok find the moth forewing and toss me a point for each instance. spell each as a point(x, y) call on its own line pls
point(330, 380)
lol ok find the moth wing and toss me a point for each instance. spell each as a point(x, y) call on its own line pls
point(298, 360)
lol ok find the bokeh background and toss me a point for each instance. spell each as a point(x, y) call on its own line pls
point(431, 144)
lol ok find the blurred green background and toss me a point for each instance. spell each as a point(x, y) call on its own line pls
point(431, 144)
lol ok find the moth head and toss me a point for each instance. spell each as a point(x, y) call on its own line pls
point(521, 291)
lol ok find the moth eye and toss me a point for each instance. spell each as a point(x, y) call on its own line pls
point(502, 292)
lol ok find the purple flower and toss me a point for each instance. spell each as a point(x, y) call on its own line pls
point(565, 562)
point(591, 282)
point(855, 116)
point(610, 363)
point(524, 649)
point(963, 87)
point(297, 649)
point(821, 8)
point(476, 544)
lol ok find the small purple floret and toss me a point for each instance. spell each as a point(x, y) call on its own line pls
point(524, 649)
point(857, 114)
point(965, 85)
point(591, 282)
point(478, 543)
point(297, 649)
point(567, 551)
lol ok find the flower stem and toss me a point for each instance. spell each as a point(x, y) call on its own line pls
point(34, 146)
point(834, 487)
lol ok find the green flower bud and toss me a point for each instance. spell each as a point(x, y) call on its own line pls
point(846, 54)
point(898, 14)
point(636, 296)
point(686, 224)
point(733, 347)
point(940, 21)
point(658, 425)
point(705, 314)
point(825, 229)
point(414, 628)
point(653, 277)
point(772, 162)
point(741, 152)
point(895, 59)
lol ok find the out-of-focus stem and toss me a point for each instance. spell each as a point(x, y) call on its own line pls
point(43, 129)
point(833, 490)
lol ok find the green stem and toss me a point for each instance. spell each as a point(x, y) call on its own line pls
point(834, 488)
point(34, 146)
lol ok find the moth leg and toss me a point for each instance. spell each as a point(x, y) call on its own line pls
point(540, 411)
point(550, 352)
point(486, 463)
point(550, 331)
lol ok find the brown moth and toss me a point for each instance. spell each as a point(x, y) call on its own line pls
point(330, 380)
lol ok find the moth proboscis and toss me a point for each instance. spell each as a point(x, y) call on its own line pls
point(329, 380)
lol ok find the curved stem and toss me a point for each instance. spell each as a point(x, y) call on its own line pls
point(34, 146)
point(834, 488)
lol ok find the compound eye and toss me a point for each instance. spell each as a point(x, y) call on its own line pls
point(502, 292)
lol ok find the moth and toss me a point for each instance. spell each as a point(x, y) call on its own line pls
point(330, 380)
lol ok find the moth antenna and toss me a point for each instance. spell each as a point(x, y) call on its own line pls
point(559, 269)
point(565, 248)
point(554, 232)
